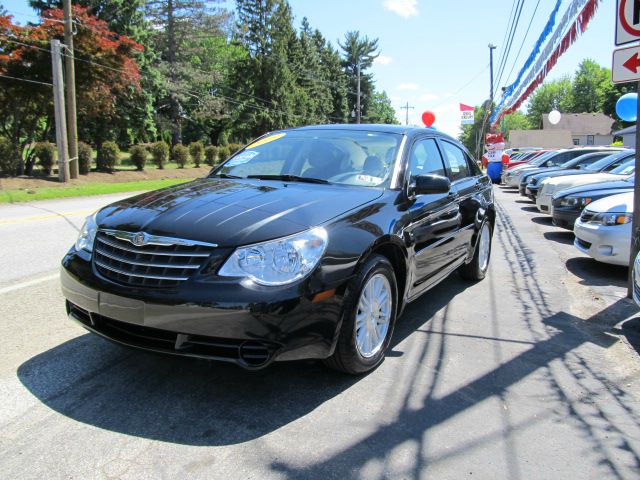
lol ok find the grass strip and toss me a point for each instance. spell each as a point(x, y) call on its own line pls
point(89, 189)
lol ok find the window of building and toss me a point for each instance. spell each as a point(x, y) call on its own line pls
point(590, 139)
point(576, 141)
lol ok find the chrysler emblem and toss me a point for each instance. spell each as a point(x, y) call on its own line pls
point(139, 239)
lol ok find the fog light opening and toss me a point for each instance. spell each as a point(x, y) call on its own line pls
point(254, 354)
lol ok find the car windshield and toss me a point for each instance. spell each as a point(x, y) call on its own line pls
point(583, 161)
point(627, 168)
point(541, 159)
point(349, 157)
point(605, 162)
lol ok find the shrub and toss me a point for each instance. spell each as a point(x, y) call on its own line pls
point(45, 152)
point(110, 155)
point(234, 147)
point(9, 159)
point(85, 154)
point(181, 155)
point(224, 152)
point(138, 155)
point(160, 153)
point(196, 150)
point(211, 154)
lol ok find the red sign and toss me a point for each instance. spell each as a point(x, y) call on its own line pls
point(627, 21)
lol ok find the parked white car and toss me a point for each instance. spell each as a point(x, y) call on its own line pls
point(603, 230)
point(636, 280)
point(552, 185)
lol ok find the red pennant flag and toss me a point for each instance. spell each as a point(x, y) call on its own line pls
point(466, 108)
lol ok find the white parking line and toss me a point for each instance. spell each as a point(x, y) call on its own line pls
point(28, 283)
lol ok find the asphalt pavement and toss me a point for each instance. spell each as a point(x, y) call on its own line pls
point(530, 373)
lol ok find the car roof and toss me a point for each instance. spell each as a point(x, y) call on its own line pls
point(374, 127)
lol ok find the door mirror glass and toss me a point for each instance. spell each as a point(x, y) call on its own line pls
point(429, 184)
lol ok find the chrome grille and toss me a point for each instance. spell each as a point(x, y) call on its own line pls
point(154, 262)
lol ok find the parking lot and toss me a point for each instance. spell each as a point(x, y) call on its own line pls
point(531, 373)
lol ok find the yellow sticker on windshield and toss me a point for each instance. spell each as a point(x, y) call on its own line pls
point(268, 139)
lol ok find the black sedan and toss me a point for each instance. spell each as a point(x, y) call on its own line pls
point(568, 204)
point(589, 163)
point(308, 243)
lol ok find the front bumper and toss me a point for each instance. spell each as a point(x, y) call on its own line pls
point(249, 325)
point(565, 218)
point(543, 203)
point(604, 244)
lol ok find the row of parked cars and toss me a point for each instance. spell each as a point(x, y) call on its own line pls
point(587, 190)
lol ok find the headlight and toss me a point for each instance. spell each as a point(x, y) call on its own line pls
point(278, 262)
point(578, 202)
point(611, 219)
point(87, 234)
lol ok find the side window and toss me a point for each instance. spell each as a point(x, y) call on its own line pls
point(425, 158)
point(456, 160)
point(616, 164)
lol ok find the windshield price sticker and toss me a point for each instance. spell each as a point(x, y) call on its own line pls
point(242, 158)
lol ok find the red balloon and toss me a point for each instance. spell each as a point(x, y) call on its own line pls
point(428, 118)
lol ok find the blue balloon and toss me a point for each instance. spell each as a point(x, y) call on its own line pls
point(627, 107)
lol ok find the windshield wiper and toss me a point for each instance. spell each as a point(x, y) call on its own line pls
point(224, 175)
point(289, 178)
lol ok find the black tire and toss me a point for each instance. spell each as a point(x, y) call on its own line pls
point(473, 270)
point(346, 357)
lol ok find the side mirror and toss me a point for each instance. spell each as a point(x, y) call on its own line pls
point(429, 184)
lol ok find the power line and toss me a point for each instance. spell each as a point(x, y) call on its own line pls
point(464, 86)
point(507, 51)
point(535, 10)
point(26, 80)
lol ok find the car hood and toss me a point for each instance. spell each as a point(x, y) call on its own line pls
point(620, 203)
point(559, 173)
point(596, 188)
point(233, 212)
point(562, 182)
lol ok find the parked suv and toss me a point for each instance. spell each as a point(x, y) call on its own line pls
point(308, 243)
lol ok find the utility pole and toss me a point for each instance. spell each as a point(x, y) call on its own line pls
point(71, 90)
point(358, 115)
point(635, 225)
point(61, 122)
point(407, 107)
point(174, 102)
point(492, 47)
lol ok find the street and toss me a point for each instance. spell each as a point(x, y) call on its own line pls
point(527, 374)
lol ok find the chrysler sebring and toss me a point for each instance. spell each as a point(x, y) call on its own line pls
point(306, 244)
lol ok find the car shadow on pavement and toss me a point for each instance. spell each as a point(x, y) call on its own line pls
point(562, 236)
point(529, 209)
point(542, 220)
point(631, 330)
point(190, 401)
point(595, 273)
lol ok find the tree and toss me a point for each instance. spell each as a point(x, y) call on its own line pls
point(359, 51)
point(554, 95)
point(588, 93)
point(515, 121)
point(269, 93)
point(380, 110)
point(472, 136)
point(181, 29)
point(110, 75)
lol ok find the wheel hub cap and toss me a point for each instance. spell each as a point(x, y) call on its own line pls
point(373, 315)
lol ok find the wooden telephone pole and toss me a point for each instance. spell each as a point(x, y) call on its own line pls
point(71, 90)
point(61, 122)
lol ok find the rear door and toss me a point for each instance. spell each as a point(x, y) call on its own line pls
point(434, 218)
point(472, 192)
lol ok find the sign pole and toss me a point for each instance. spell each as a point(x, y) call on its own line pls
point(635, 238)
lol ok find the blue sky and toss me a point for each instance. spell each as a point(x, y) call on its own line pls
point(430, 49)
